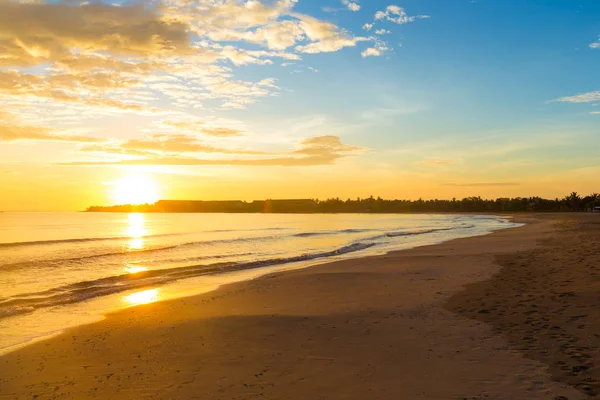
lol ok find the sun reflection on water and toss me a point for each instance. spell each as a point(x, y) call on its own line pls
point(145, 297)
point(135, 269)
point(136, 229)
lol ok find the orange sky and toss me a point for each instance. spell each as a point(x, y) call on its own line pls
point(104, 103)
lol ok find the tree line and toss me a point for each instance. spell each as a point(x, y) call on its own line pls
point(571, 203)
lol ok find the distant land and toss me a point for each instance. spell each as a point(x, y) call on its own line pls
point(571, 203)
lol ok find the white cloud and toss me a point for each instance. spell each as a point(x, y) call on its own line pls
point(371, 52)
point(330, 45)
point(375, 51)
point(393, 14)
point(580, 98)
point(325, 36)
point(128, 58)
point(595, 45)
point(352, 5)
point(397, 15)
point(277, 36)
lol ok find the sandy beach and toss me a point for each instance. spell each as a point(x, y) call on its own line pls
point(545, 301)
point(399, 326)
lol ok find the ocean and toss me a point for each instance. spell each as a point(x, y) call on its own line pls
point(59, 270)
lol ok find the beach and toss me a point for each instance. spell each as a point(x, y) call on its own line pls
point(396, 326)
point(545, 301)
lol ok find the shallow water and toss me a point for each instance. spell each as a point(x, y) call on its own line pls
point(63, 269)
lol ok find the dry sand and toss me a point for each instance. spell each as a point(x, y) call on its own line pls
point(370, 328)
point(546, 301)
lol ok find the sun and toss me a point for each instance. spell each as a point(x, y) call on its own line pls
point(135, 189)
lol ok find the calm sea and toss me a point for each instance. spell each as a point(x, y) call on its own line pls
point(59, 270)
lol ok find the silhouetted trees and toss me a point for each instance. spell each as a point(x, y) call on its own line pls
point(571, 203)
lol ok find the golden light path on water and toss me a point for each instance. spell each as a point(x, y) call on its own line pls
point(136, 230)
point(132, 269)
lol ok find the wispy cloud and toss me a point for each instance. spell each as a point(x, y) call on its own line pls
point(324, 36)
point(482, 184)
point(580, 98)
point(435, 162)
point(391, 110)
point(201, 127)
point(397, 15)
point(393, 14)
point(12, 133)
point(169, 150)
point(162, 144)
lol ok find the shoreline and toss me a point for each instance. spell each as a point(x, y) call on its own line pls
point(96, 309)
point(363, 317)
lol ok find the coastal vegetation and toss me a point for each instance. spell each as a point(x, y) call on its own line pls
point(571, 203)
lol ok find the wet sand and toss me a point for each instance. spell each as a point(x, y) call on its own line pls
point(369, 328)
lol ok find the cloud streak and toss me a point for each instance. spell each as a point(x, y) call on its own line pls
point(436, 162)
point(161, 144)
point(169, 150)
point(483, 184)
point(13, 132)
point(580, 98)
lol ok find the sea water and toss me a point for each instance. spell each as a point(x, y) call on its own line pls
point(59, 270)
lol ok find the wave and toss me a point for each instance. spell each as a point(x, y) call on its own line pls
point(115, 238)
point(61, 262)
point(59, 241)
point(81, 291)
point(419, 232)
point(322, 233)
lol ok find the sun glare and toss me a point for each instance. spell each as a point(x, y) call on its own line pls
point(145, 297)
point(135, 269)
point(135, 189)
point(136, 230)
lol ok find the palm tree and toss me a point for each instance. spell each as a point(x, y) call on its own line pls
point(574, 201)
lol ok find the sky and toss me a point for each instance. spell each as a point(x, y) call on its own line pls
point(111, 102)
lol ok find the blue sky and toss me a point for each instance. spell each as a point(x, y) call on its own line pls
point(495, 59)
point(473, 67)
point(442, 98)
